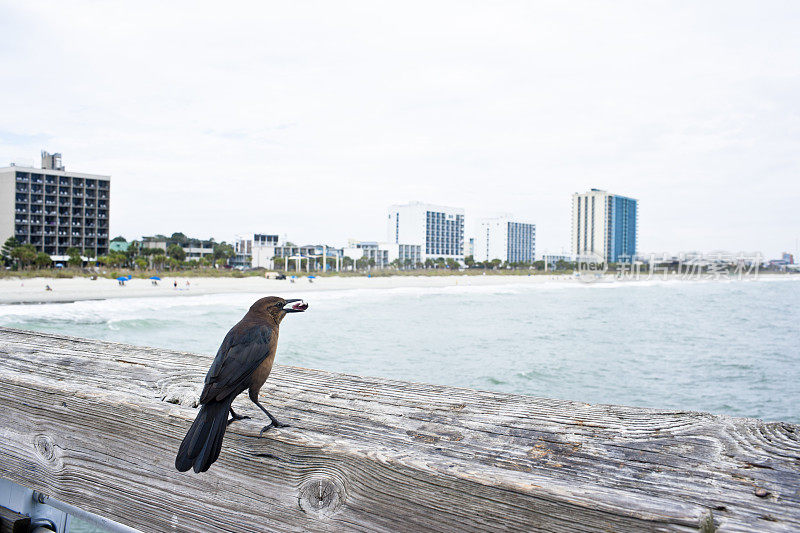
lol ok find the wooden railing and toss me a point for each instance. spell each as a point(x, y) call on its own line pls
point(97, 425)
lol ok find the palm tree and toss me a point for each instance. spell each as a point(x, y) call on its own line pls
point(43, 260)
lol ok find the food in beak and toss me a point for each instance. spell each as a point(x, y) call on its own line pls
point(295, 306)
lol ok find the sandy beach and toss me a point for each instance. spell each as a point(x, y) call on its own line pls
point(33, 290)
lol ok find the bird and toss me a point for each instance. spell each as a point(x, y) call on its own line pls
point(243, 361)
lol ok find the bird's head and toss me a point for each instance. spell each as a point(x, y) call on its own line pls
point(277, 307)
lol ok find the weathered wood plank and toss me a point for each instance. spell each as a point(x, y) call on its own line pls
point(97, 425)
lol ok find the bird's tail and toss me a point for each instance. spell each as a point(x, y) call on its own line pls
point(201, 445)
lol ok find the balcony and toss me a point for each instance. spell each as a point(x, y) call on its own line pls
point(50, 180)
point(20, 220)
point(63, 193)
point(21, 188)
point(22, 179)
point(21, 231)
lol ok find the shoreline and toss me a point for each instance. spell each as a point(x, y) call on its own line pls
point(31, 291)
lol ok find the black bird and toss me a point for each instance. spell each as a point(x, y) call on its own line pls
point(243, 361)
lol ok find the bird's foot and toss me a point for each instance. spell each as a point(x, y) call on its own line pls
point(236, 417)
point(271, 425)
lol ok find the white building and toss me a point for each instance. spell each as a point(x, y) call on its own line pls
point(506, 239)
point(383, 253)
point(437, 230)
point(604, 226)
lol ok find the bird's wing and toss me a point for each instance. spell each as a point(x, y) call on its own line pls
point(242, 350)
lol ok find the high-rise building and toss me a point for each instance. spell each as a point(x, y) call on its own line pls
point(506, 239)
point(55, 210)
point(438, 230)
point(604, 226)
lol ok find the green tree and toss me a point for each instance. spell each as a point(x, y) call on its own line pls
point(8, 247)
point(25, 254)
point(43, 260)
point(74, 257)
point(222, 252)
point(469, 261)
point(158, 259)
point(119, 238)
point(176, 252)
point(140, 262)
point(179, 238)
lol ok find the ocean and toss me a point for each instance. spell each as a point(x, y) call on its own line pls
point(727, 347)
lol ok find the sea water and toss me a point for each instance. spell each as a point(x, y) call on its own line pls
point(728, 347)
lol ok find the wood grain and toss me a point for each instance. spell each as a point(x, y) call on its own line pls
point(97, 425)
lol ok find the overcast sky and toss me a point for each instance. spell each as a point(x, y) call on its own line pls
point(310, 118)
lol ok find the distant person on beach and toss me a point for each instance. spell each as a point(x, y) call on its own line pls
point(175, 283)
point(187, 283)
point(48, 288)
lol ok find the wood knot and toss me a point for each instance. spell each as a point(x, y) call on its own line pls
point(321, 497)
point(45, 447)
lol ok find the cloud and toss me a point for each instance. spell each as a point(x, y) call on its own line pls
point(309, 119)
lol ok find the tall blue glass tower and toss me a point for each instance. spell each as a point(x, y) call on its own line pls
point(621, 228)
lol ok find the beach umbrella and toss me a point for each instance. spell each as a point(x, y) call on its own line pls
point(312, 277)
point(122, 278)
point(130, 277)
point(155, 278)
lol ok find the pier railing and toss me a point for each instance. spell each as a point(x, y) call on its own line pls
point(97, 424)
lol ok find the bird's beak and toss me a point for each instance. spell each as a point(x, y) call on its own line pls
point(295, 306)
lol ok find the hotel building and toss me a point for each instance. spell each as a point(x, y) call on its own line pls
point(437, 230)
point(506, 239)
point(604, 226)
point(55, 210)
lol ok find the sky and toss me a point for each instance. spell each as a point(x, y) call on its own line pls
point(308, 119)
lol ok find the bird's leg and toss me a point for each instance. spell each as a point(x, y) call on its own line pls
point(236, 417)
point(273, 421)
